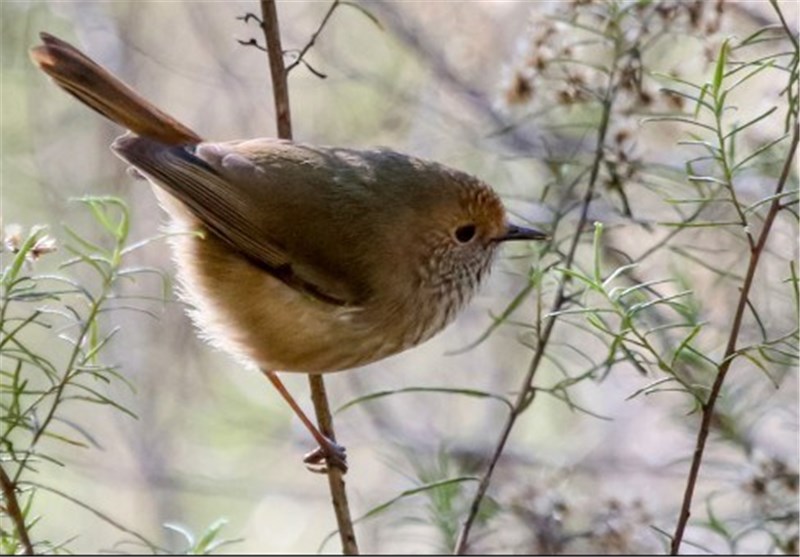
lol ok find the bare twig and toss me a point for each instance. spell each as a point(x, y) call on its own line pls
point(730, 350)
point(13, 510)
point(313, 40)
point(335, 475)
point(527, 392)
point(251, 42)
point(790, 33)
point(321, 407)
point(280, 87)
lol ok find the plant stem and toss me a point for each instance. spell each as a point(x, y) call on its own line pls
point(730, 350)
point(69, 372)
point(527, 392)
point(335, 475)
point(12, 508)
point(280, 86)
point(280, 91)
point(312, 41)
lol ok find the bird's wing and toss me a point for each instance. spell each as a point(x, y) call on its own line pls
point(235, 204)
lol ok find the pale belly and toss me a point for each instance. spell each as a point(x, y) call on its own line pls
point(247, 312)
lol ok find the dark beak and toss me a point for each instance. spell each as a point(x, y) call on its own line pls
point(514, 232)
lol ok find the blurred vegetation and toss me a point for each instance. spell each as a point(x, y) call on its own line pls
point(667, 123)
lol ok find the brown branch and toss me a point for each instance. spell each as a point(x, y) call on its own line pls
point(730, 350)
point(280, 87)
point(527, 391)
point(313, 40)
point(13, 510)
point(335, 475)
point(280, 90)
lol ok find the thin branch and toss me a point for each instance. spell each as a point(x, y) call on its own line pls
point(791, 33)
point(280, 87)
point(730, 350)
point(251, 42)
point(13, 510)
point(527, 392)
point(280, 90)
point(312, 41)
point(335, 475)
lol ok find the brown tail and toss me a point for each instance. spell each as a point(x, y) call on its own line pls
point(97, 88)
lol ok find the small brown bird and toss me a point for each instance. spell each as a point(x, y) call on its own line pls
point(312, 259)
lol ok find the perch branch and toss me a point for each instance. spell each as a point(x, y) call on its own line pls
point(321, 407)
point(280, 87)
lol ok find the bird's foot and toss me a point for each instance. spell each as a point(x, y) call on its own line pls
point(329, 454)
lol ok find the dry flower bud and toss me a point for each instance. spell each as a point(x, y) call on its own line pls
point(520, 91)
point(12, 237)
point(43, 246)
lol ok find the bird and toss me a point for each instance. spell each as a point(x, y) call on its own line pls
point(303, 258)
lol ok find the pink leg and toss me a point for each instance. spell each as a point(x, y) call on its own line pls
point(328, 452)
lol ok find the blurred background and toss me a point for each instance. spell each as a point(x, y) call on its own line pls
point(212, 440)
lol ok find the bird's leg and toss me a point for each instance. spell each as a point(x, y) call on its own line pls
point(329, 453)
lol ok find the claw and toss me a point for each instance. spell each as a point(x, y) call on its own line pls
point(329, 453)
point(321, 458)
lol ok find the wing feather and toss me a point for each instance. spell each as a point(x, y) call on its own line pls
point(226, 210)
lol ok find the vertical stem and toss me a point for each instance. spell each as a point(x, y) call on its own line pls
point(280, 89)
point(730, 350)
point(527, 392)
point(9, 489)
point(335, 475)
point(280, 86)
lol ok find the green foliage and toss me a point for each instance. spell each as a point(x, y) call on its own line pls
point(41, 383)
point(672, 277)
point(37, 385)
point(207, 543)
point(614, 301)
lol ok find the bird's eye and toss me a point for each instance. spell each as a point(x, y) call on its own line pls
point(465, 233)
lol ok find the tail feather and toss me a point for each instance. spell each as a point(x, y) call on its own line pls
point(98, 89)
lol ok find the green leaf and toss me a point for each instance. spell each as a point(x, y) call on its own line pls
point(11, 272)
point(99, 206)
point(700, 101)
point(441, 390)
point(689, 338)
point(795, 282)
point(181, 530)
point(757, 35)
point(681, 120)
point(405, 494)
point(769, 145)
point(207, 542)
point(754, 121)
point(760, 365)
point(596, 245)
point(364, 11)
point(719, 71)
point(650, 387)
